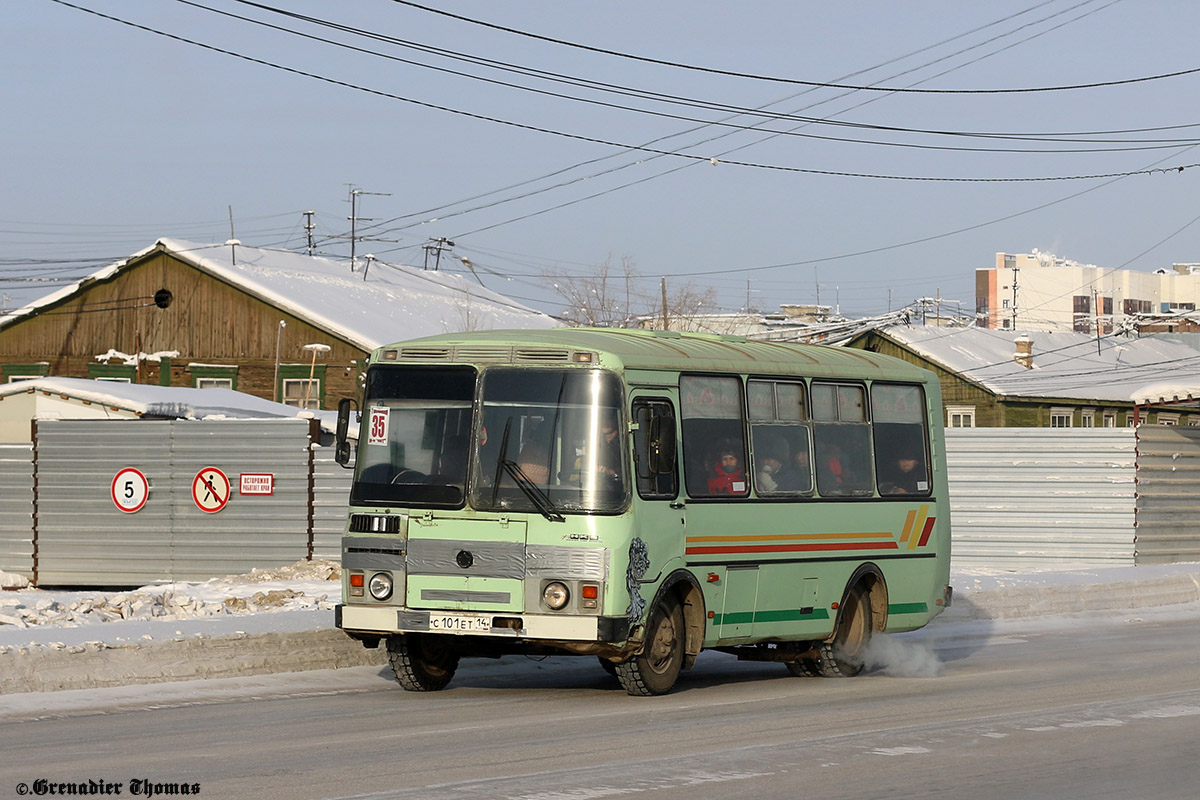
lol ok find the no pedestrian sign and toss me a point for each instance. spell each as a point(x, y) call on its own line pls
point(130, 490)
point(210, 490)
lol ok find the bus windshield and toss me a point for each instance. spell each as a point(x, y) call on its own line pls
point(550, 435)
point(548, 441)
point(415, 441)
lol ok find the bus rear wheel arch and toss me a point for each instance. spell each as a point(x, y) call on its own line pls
point(862, 613)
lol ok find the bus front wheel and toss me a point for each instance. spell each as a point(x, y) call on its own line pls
point(845, 654)
point(420, 662)
point(655, 670)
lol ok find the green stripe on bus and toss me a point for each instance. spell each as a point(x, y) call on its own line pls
point(908, 608)
point(789, 615)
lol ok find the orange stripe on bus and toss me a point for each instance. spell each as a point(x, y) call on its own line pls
point(908, 524)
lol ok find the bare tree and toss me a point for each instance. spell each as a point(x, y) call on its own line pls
point(618, 296)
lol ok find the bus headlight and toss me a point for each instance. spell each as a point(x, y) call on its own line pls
point(380, 586)
point(556, 595)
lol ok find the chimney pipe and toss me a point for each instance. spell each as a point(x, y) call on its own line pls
point(1024, 353)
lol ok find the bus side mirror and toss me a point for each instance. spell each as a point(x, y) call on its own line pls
point(661, 444)
point(341, 453)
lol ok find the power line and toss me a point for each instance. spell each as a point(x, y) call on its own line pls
point(606, 142)
point(794, 81)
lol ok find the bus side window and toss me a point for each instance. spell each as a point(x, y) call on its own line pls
point(653, 484)
point(841, 440)
point(714, 441)
point(901, 441)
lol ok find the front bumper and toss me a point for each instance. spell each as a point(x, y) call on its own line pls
point(387, 620)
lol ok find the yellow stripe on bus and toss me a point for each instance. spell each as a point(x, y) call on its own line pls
point(908, 525)
point(916, 530)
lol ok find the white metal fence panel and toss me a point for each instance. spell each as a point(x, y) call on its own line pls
point(16, 509)
point(1030, 498)
point(84, 538)
point(1168, 494)
point(331, 497)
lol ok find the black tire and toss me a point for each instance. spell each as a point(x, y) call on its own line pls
point(607, 666)
point(803, 668)
point(421, 662)
point(843, 656)
point(655, 670)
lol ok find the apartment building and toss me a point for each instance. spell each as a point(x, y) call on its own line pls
point(1040, 291)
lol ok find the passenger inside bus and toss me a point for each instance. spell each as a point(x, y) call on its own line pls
point(796, 476)
point(727, 476)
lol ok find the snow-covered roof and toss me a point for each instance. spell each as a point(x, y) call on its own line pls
point(368, 308)
point(1167, 392)
point(174, 402)
point(1065, 364)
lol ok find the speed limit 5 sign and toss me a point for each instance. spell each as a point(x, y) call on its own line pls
point(130, 490)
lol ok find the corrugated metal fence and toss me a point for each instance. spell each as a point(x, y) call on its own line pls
point(1168, 494)
point(16, 509)
point(189, 527)
point(1021, 498)
point(1039, 497)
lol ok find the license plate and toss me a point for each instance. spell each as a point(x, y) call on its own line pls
point(459, 624)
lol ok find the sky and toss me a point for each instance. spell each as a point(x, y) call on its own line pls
point(635, 139)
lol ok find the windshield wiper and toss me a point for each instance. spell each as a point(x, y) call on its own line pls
point(540, 499)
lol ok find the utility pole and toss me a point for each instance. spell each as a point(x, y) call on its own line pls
point(663, 285)
point(1016, 270)
point(308, 229)
point(354, 218)
point(437, 245)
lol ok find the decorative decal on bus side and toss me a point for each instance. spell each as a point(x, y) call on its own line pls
point(639, 562)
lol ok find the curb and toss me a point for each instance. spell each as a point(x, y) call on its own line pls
point(97, 665)
point(1105, 596)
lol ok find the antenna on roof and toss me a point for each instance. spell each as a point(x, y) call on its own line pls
point(354, 219)
point(308, 229)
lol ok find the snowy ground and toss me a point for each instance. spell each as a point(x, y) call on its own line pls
point(281, 620)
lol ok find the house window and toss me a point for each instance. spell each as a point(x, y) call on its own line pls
point(302, 393)
point(960, 416)
point(114, 373)
point(1060, 417)
point(1087, 419)
point(24, 372)
point(1110, 419)
point(295, 389)
point(1168, 419)
point(214, 376)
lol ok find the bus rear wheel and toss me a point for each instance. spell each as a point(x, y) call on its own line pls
point(655, 670)
point(845, 655)
point(420, 662)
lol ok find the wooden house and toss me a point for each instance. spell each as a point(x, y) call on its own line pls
point(1040, 379)
point(275, 324)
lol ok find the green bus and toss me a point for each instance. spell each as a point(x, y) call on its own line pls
point(640, 496)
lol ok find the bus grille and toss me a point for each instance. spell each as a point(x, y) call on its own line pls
point(370, 523)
